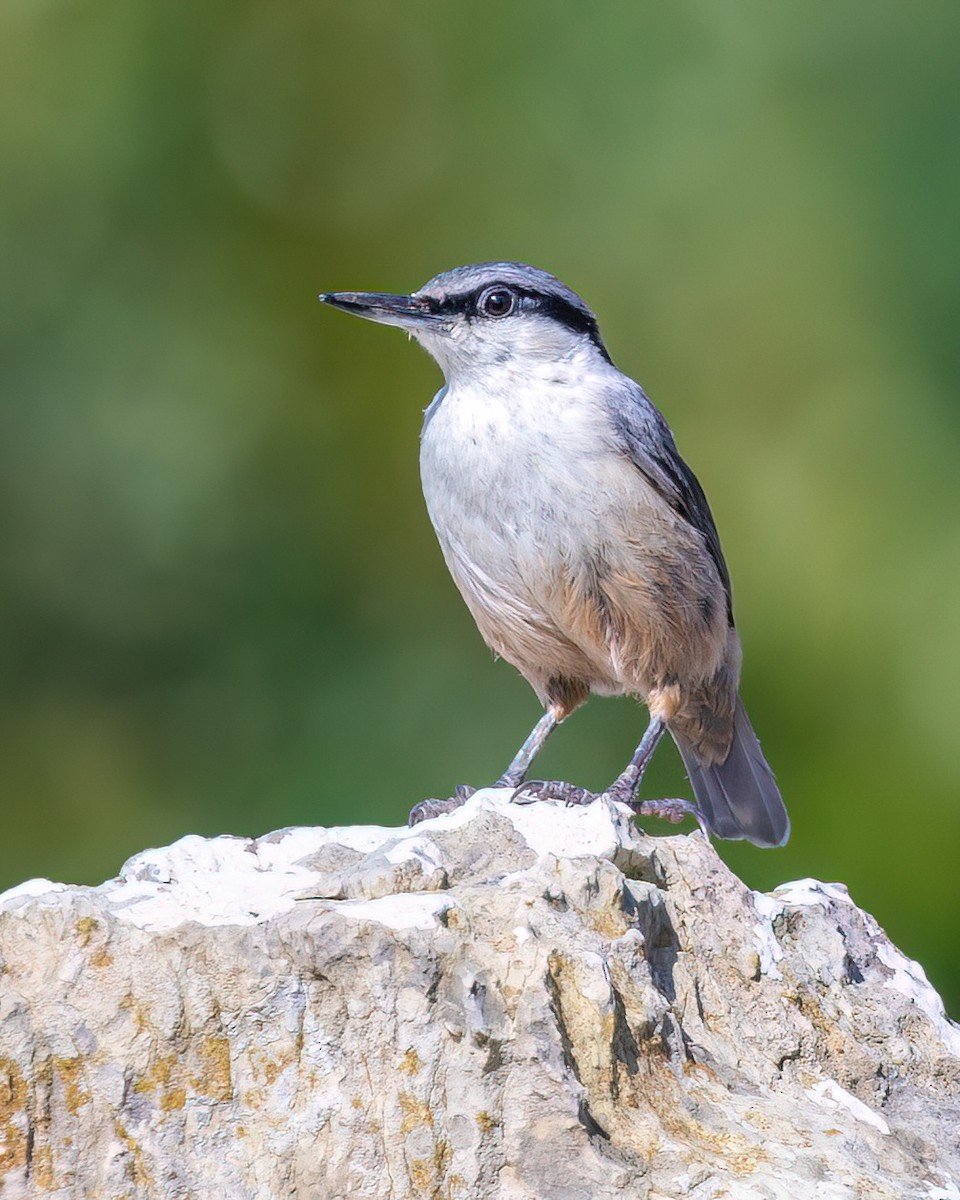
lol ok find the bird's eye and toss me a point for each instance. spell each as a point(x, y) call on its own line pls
point(497, 302)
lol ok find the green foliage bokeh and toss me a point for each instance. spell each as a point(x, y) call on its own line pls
point(222, 606)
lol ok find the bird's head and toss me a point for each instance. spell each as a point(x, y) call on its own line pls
point(475, 319)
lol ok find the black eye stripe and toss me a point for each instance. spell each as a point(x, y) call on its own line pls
point(531, 300)
point(574, 318)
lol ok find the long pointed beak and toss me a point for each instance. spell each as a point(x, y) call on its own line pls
point(408, 312)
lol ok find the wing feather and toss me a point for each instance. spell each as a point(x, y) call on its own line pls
point(646, 439)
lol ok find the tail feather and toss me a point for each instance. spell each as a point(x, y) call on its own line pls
point(739, 797)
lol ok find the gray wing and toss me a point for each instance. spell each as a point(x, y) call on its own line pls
point(646, 438)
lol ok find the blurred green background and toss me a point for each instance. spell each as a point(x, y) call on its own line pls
point(222, 604)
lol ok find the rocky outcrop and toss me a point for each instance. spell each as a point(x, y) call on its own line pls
point(521, 1002)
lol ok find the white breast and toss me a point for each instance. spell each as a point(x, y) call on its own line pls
point(520, 476)
point(571, 563)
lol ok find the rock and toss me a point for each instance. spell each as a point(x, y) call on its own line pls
point(519, 1002)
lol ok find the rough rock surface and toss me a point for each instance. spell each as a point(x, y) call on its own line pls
point(536, 1003)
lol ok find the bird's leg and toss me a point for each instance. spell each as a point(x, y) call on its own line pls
point(624, 787)
point(515, 773)
point(512, 776)
point(565, 696)
point(540, 789)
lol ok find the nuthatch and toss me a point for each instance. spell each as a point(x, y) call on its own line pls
point(580, 540)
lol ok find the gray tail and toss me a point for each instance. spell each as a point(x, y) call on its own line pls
point(739, 797)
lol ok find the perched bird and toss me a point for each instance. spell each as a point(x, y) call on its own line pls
point(580, 540)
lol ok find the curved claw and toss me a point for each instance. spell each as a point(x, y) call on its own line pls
point(667, 810)
point(436, 808)
point(551, 789)
point(674, 811)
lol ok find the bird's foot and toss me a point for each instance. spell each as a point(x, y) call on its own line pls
point(667, 810)
point(436, 808)
point(551, 789)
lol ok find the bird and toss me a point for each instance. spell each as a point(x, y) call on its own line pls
point(580, 540)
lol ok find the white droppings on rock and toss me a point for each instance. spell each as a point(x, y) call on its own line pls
point(831, 1095)
point(566, 831)
point(811, 891)
point(28, 890)
point(300, 841)
point(409, 910)
point(215, 881)
point(910, 980)
point(417, 849)
point(365, 838)
point(798, 893)
point(764, 939)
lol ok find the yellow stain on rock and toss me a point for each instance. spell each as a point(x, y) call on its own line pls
point(214, 1079)
point(85, 928)
point(410, 1064)
point(54, 1072)
point(268, 1068)
point(70, 1071)
point(41, 1168)
point(173, 1099)
point(13, 1101)
point(421, 1173)
point(429, 1175)
point(415, 1113)
point(165, 1076)
point(140, 1174)
point(272, 1071)
point(141, 1016)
